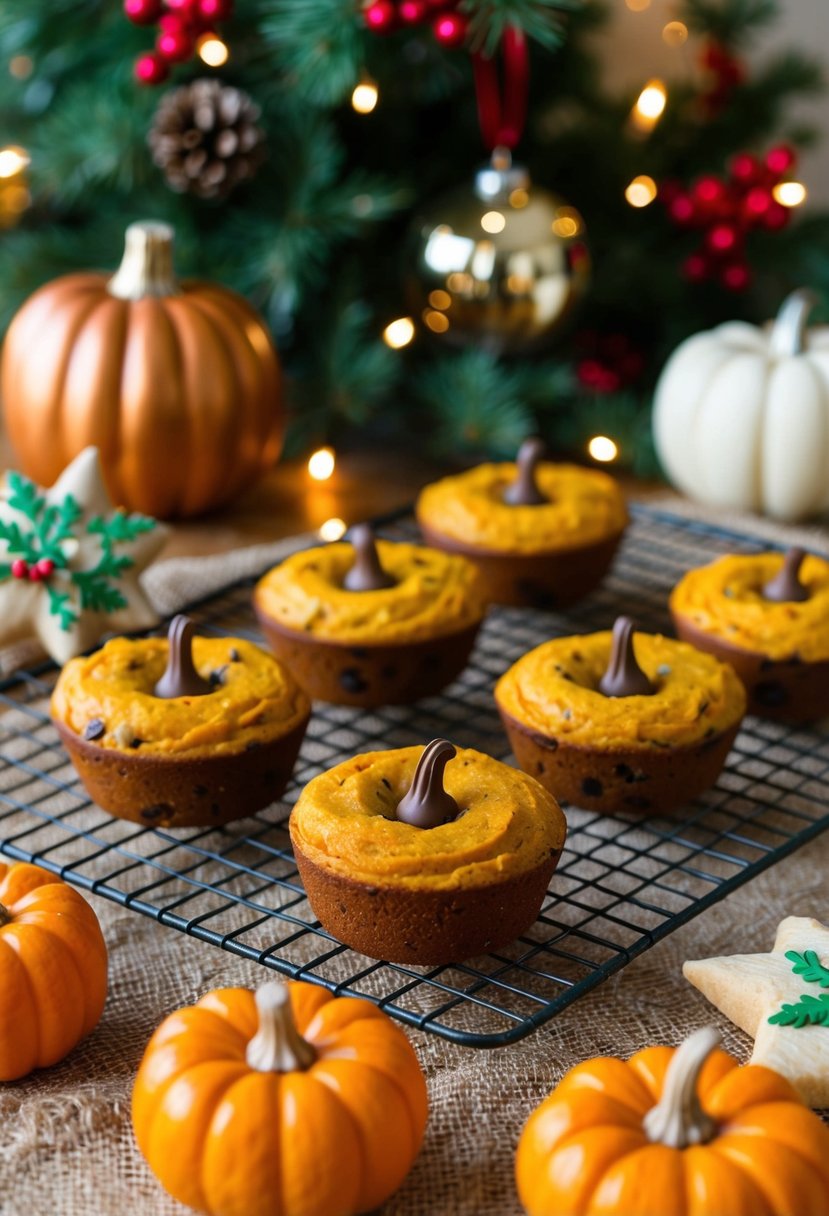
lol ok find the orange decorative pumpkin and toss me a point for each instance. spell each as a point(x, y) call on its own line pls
point(289, 1102)
point(177, 385)
point(674, 1133)
point(53, 969)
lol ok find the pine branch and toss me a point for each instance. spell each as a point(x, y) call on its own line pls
point(809, 966)
point(476, 403)
point(729, 21)
point(808, 1011)
point(540, 20)
point(319, 42)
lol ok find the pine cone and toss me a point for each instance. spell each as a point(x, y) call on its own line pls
point(205, 139)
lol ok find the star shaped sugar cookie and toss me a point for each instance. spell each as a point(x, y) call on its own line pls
point(69, 563)
point(782, 1000)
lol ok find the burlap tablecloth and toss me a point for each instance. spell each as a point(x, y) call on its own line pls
point(66, 1146)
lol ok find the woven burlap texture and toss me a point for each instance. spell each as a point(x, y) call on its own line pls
point(65, 1141)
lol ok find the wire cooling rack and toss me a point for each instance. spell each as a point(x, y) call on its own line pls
point(621, 885)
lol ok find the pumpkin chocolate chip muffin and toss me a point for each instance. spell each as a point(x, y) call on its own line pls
point(170, 736)
point(768, 616)
point(371, 623)
point(541, 534)
point(404, 869)
point(612, 730)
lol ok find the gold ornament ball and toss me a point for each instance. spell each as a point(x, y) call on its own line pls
point(501, 265)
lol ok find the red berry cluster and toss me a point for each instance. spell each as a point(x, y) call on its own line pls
point(723, 72)
point(724, 210)
point(608, 362)
point(448, 25)
point(35, 573)
point(180, 25)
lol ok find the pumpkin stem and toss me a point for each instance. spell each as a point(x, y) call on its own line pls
point(524, 491)
point(678, 1118)
point(788, 334)
point(147, 265)
point(277, 1045)
point(5, 916)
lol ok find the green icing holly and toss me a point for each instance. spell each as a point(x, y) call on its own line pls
point(807, 1010)
point(41, 547)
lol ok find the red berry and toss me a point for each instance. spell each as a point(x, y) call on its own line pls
point(722, 238)
point(682, 209)
point(695, 268)
point(34, 575)
point(756, 204)
point(412, 11)
point(450, 29)
point(151, 69)
point(188, 8)
point(19, 568)
point(380, 16)
point(143, 12)
point(216, 10)
point(776, 216)
point(779, 160)
point(175, 47)
point(45, 567)
point(175, 23)
point(708, 192)
point(746, 169)
point(736, 277)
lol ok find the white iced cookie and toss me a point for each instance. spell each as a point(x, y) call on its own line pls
point(69, 563)
point(782, 1000)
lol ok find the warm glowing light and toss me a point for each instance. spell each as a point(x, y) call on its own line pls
point(638, 6)
point(518, 198)
point(321, 464)
point(365, 97)
point(212, 51)
point(567, 222)
point(399, 333)
point(440, 299)
point(602, 448)
point(21, 67)
point(651, 101)
point(641, 191)
point(436, 321)
point(493, 221)
point(460, 282)
point(333, 529)
point(790, 194)
point(12, 161)
point(675, 33)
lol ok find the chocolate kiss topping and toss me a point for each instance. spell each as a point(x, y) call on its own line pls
point(180, 677)
point(786, 586)
point(524, 491)
point(366, 574)
point(624, 677)
point(427, 804)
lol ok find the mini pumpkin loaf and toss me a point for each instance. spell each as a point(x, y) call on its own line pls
point(371, 623)
point(541, 534)
point(768, 616)
point(403, 869)
point(179, 733)
point(611, 730)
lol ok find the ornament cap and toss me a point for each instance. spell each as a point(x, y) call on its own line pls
point(500, 177)
point(147, 265)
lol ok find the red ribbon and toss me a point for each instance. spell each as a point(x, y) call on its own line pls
point(502, 112)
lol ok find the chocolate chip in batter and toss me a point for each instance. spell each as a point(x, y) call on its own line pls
point(352, 681)
point(592, 787)
point(94, 729)
point(234, 655)
point(217, 677)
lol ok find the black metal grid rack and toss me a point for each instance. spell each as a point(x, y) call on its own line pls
point(622, 883)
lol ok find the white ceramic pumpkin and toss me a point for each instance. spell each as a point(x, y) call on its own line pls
point(741, 415)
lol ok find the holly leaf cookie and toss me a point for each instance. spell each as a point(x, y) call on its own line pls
point(782, 1000)
point(69, 562)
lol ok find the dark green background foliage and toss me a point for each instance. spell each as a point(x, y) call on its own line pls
point(315, 241)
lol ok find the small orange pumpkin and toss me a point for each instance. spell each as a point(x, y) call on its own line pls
point(287, 1102)
point(53, 969)
point(674, 1133)
point(176, 384)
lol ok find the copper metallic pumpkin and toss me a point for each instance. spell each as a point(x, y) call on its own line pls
point(289, 1102)
point(177, 385)
point(673, 1133)
point(53, 969)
